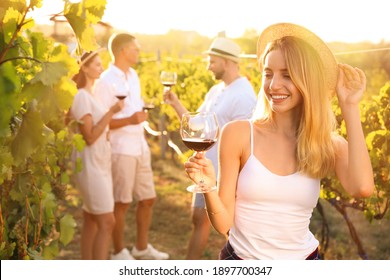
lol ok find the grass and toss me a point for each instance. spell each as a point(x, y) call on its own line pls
point(171, 225)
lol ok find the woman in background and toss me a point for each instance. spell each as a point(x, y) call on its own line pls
point(94, 180)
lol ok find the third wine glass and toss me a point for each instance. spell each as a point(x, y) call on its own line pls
point(168, 79)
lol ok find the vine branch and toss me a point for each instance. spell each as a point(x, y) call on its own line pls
point(20, 57)
point(14, 35)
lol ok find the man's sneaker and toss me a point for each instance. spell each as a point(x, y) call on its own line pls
point(122, 255)
point(150, 253)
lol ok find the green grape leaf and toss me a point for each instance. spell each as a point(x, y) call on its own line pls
point(78, 142)
point(60, 54)
point(46, 187)
point(9, 84)
point(79, 165)
point(6, 162)
point(61, 135)
point(84, 32)
point(16, 195)
point(28, 24)
point(10, 23)
point(64, 92)
point(81, 16)
point(40, 45)
point(51, 99)
point(51, 73)
point(35, 3)
point(29, 136)
point(67, 229)
point(6, 250)
point(33, 255)
point(49, 105)
point(34, 91)
point(88, 40)
point(65, 178)
point(51, 251)
point(95, 9)
point(49, 205)
point(21, 188)
point(15, 4)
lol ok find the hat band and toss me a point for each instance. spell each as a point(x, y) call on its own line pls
point(222, 52)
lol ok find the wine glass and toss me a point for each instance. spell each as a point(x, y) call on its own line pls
point(148, 106)
point(168, 79)
point(199, 132)
point(148, 103)
point(121, 90)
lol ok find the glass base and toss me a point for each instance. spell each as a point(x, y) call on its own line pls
point(200, 189)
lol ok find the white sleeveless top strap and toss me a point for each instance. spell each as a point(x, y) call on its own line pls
point(251, 125)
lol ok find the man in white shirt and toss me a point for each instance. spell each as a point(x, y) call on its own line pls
point(131, 160)
point(231, 99)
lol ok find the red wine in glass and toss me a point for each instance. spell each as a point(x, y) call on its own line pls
point(168, 84)
point(199, 145)
point(121, 90)
point(148, 107)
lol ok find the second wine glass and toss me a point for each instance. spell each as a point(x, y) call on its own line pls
point(199, 132)
point(121, 90)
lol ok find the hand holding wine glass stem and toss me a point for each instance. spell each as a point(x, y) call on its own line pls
point(205, 170)
point(201, 179)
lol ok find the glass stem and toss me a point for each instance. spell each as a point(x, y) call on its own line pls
point(166, 88)
point(201, 180)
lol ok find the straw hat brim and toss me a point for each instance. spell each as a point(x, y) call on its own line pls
point(231, 57)
point(280, 30)
point(85, 60)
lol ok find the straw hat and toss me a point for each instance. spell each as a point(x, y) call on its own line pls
point(280, 30)
point(226, 48)
point(86, 56)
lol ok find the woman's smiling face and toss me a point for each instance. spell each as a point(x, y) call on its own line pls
point(281, 92)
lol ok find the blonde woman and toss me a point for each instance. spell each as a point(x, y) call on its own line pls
point(94, 180)
point(271, 166)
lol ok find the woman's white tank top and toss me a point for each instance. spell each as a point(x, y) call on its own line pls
point(272, 213)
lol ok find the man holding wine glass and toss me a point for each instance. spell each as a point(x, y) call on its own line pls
point(131, 160)
point(231, 99)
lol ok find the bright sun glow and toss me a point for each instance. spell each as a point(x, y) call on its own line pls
point(346, 20)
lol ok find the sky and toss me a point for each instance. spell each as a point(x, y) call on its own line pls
point(343, 20)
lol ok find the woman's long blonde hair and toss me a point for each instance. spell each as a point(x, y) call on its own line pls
point(315, 151)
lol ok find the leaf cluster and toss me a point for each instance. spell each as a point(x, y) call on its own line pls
point(36, 90)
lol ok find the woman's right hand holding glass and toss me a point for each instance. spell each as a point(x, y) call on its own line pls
point(198, 162)
point(118, 106)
